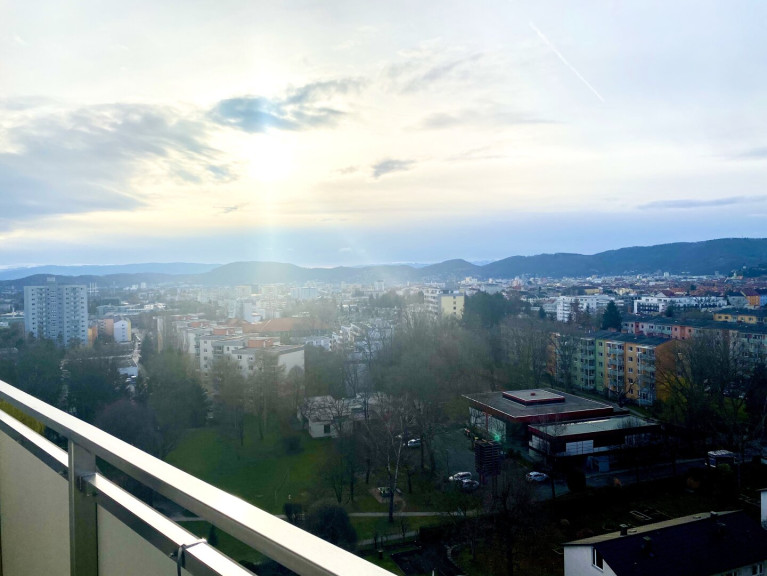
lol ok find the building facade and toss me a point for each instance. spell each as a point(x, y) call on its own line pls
point(58, 312)
point(443, 303)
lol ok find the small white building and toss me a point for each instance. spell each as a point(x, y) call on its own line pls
point(122, 330)
point(325, 416)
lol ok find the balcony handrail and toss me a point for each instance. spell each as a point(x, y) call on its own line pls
point(288, 545)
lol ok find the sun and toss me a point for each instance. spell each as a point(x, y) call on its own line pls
point(267, 157)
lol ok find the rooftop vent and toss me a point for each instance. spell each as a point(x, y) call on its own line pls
point(647, 546)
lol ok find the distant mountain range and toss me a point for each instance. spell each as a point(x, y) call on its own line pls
point(95, 270)
point(696, 258)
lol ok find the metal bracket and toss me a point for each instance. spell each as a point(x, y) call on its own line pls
point(84, 484)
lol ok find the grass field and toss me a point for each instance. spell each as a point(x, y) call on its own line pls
point(264, 474)
point(260, 472)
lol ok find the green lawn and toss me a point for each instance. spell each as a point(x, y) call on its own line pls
point(260, 472)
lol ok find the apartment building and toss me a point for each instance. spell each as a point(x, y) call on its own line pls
point(629, 365)
point(575, 355)
point(592, 303)
point(741, 316)
point(660, 302)
point(58, 312)
point(247, 352)
point(122, 330)
point(748, 340)
point(443, 303)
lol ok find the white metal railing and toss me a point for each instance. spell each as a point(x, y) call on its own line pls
point(97, 509)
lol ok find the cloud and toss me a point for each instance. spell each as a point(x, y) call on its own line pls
point(84, 159)
point(474, 154)
point(24, 103)
point(753, 154)
point(682, 204)
point(389, 166)
point(487, 116)
point(301, 108)
point(424, 69)
point(347, 170)
point(230, 209)
point(221, 173)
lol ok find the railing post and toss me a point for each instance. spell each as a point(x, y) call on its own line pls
point(83, 528)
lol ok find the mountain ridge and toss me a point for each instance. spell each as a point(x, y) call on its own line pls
point(696, 258)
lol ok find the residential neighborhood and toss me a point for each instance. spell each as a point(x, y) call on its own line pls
point(561, 391)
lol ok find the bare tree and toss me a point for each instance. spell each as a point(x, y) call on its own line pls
point(385, 434)
point(263, 386)
point(565, 344)
point(514, 514)
point(527, 342)
point(230, 391)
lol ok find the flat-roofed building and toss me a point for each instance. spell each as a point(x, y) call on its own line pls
point(494, 412)
point(592, 437)
point(442, 303)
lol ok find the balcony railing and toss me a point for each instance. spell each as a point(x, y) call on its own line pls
point(60, 516)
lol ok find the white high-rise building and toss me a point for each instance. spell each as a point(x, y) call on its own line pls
point(58, 312)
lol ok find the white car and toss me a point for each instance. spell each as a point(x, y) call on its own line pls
point(536, 477)
point(414, 443)
point(460, 477)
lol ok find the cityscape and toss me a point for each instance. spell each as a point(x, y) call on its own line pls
point(343, 289)
point(462, 426)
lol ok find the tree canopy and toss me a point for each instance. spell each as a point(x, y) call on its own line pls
point(611, 317)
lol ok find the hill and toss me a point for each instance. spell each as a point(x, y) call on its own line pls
point(696, 258)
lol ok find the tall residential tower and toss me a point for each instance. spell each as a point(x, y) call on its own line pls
point(58, 312)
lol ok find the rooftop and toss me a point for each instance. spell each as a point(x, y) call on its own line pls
point(571, 407)
point(697, 545)
point(595, 426)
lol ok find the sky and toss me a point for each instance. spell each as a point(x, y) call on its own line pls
point(346, 132)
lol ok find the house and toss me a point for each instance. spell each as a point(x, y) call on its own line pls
point(715, 543)
point(752, 296)
point(325, 416)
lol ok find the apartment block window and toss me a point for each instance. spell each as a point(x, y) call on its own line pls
point(596, 559)
point(757, 569)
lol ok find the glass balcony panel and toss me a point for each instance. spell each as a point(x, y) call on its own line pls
point(34, 514)
point(131, 537)
point(122, 552)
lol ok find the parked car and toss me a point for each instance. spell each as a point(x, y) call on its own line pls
point(414, 443)
point(460, 477)
point(469, 485)
point(536, 477)
point(384, 491)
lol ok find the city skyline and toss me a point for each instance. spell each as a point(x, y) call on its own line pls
point(349, 135)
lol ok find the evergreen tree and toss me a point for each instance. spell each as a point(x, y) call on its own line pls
point(611, 318)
